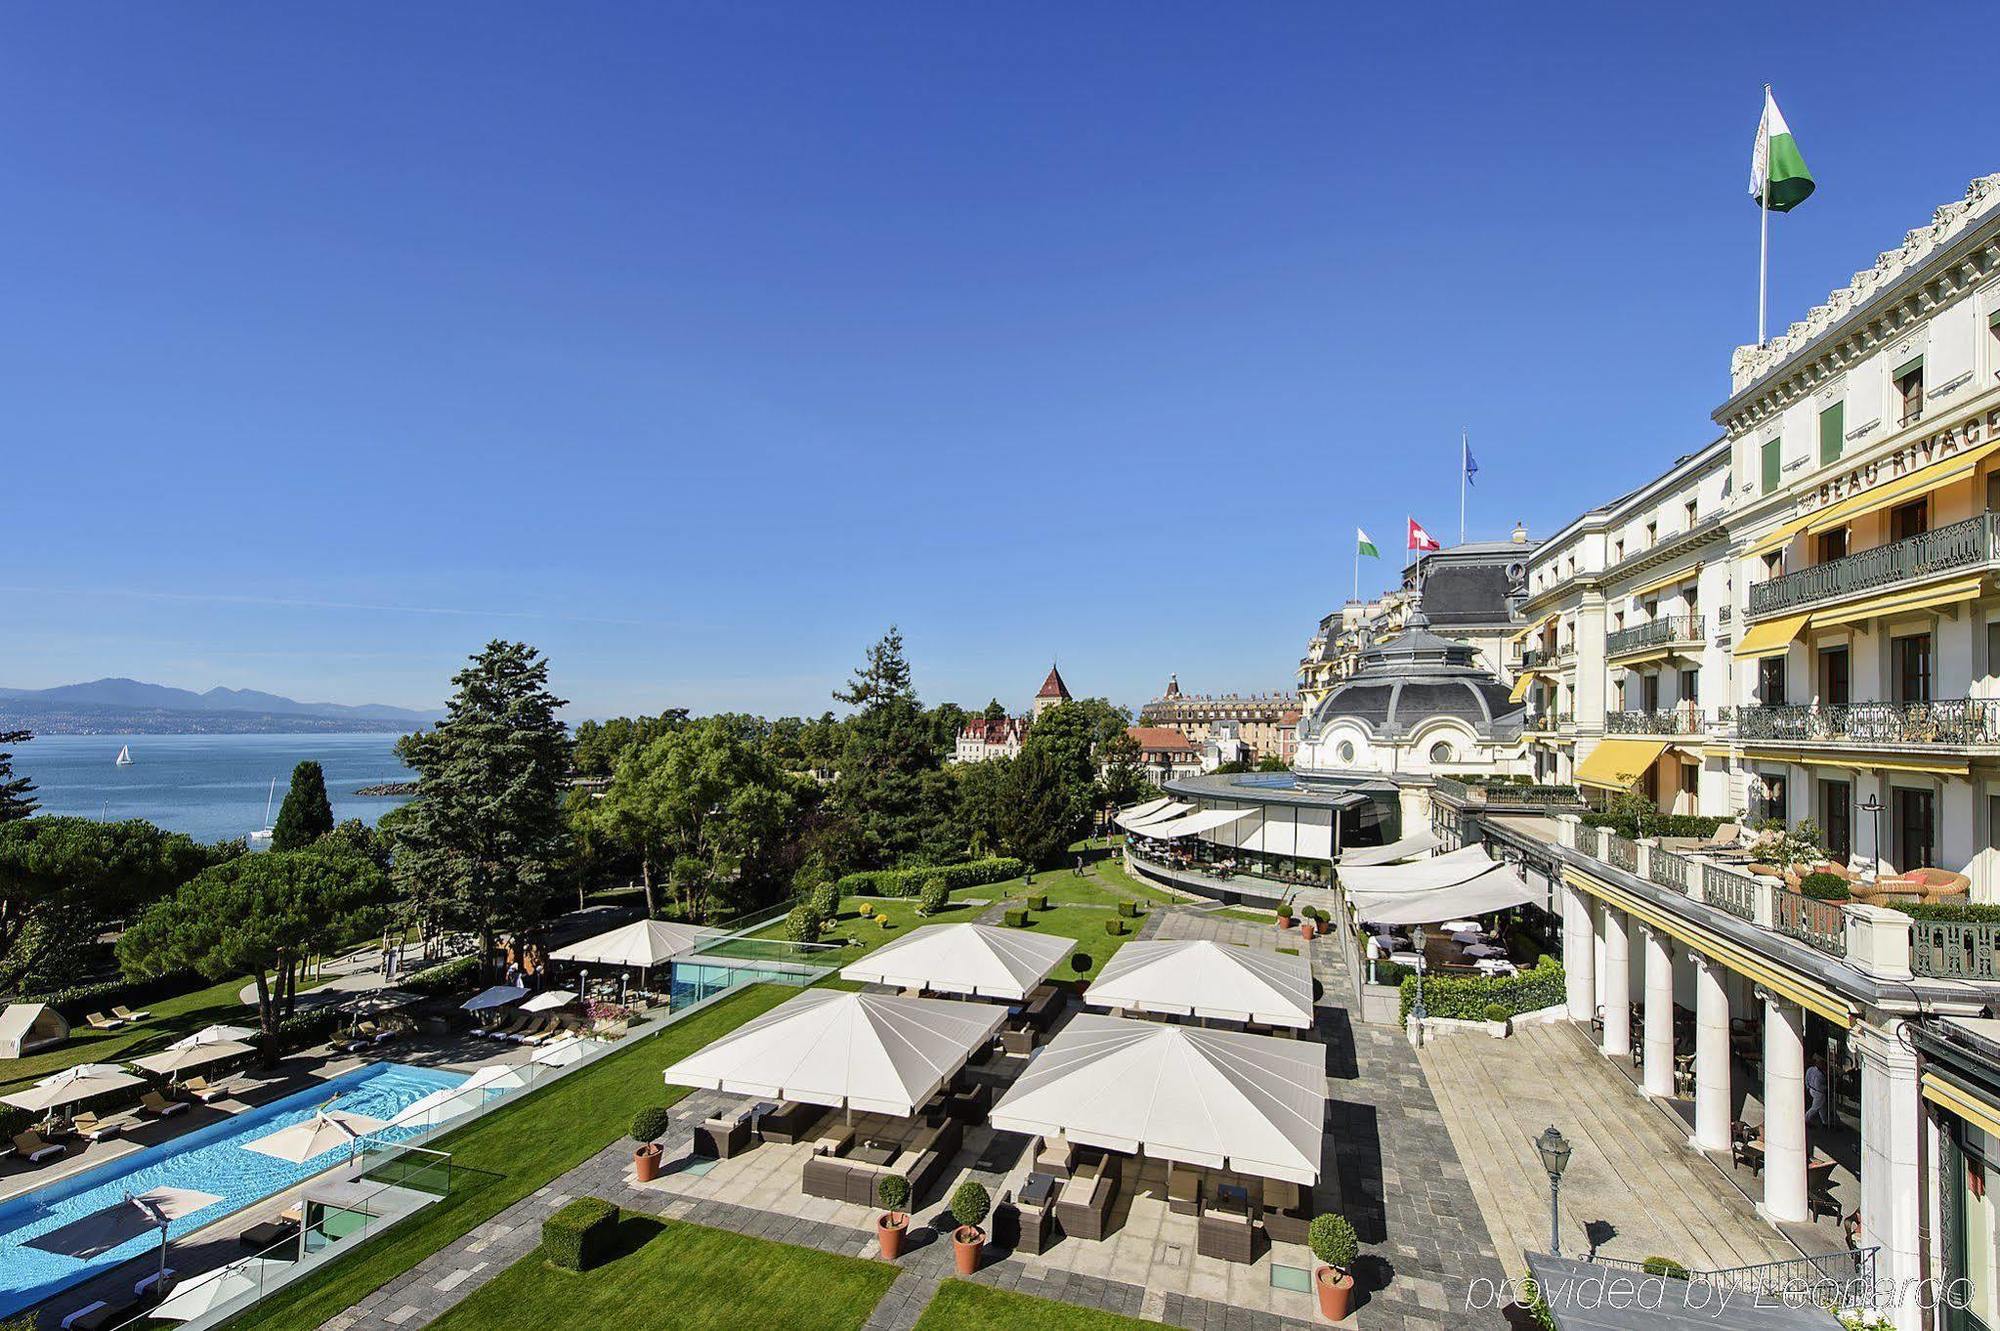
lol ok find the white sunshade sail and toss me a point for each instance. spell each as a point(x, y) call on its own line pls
point(485, 1082)
point(1221, 1099)
point(1501, 886)
point(1199, 978)
point(644, 943)
point(1419, 876)
point(205, 1293)
point(878, 1052)
point(1139, 813)
point(1423, 843)
point(380, 1000)
point(128, 1218)
point(500, 995)
point(218, 1034)
point(1207, 820)
point(72, 1085)
point(1171, 809)
point(328, 1130)
point(170, 1062)
point(976, 959)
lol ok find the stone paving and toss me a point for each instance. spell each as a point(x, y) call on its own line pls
point(1396, 1175)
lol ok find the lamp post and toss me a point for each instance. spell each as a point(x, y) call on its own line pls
point(1873, 806)
point(1417, 945)
point(1554, 1149)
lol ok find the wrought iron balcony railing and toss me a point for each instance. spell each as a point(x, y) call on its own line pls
point(1668, 721)
point(1507, 794)
point(1665, 631)
point(1953, 721)
point(1966, 544)
point(1538, 658)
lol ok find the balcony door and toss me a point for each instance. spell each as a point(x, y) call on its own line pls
point(1833, 677)
point(1911, 519)
point(1832, 545)
point(1649, 693)
point(1836, 817)
point(1912, 667)
point(1914, 828)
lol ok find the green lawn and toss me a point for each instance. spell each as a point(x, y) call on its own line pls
point(503, 1157)
point(672, 1276)
point(960, 1305)
point(866, 931)
point(171, 1019)
point(1084, 924)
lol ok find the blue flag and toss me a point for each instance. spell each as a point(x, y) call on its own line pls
point(1471, 467)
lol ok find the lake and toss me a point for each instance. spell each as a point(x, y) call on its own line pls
point(211, 787)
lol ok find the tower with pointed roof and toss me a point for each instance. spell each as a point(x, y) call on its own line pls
point(1054, 692)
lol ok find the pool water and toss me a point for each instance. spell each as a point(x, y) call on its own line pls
point(212, 1159)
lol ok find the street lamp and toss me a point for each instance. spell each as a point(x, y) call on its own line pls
point(1554, 1149)
point(1872, 806)
point(1417, 946)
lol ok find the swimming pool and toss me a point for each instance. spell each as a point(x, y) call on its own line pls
point(210, 1159)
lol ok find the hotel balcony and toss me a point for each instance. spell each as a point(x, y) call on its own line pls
point(1955, 722)
point(1674, 721)
point(1962, 547)
point(1659, 636)
point(1540, 658)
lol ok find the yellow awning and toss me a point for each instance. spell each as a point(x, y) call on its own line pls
point(1652, 654)
point(1671, 580)
point(1942, 472)
point(1617, 764)
point(1522, 683)
point(1778, 539)
point(1522, 636)
point(1956, 592)
point(1974, 1109)
point(1770, 638)
point(1863, 762)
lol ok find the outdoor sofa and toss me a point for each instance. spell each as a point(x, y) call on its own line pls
point(1083, 1202)
point(790, 1121)
point(923, 1159)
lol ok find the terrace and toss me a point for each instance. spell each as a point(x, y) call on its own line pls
point(1667, 631)
point(1968, 546)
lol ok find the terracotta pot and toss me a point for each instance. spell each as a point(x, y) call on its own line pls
point(1306, 930)
point(889, 1228)
point(966, 1241)
point(646, 1163)
point(1284, 921)
point(1336, 1289)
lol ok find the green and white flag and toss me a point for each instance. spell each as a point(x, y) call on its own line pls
point(1364, 546)
point(1778, 175)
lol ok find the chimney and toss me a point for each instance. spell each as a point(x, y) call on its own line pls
point(1520, 534)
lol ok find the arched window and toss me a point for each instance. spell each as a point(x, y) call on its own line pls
point(1440, 752)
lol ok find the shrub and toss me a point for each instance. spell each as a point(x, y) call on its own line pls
point(905, 882)
point(893, 1191)
point(1016, 919)
point(1497, 1012)
point(578, 1236)
point(825, 899)
point(1390, 972)
point(651, 1123)
point(804, 924)
point(886, 923)
point(302, 1030)
point(866, 908)
point(1039, 901)
point(934, 897)
point(443, 978)
point(970, 1203)
point(1823, 887)
point(1129, 909)
point(1665, 1266)
point(1284, 914)
point(1331, 1238)
point(1081, 962)
point(1114, 927)
point(77, 999)
point(1467, 997)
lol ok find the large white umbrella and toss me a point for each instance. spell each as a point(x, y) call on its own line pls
point(1223, 1099)
point(500, 995)
point(70, 1086)
point(876, 1052)
point(174, 1060)
point(486, 1080)
point(220, 1033)
point(1199, 978)
point(371, 1001)
point(643, 944)
point(549, 1000)
point(562, 1053)
point(203, 1294)
point(128, 1218)
point(328, 1130)
point(975, 959)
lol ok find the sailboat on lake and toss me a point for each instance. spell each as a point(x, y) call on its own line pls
point(263, 835)
point(124, 755)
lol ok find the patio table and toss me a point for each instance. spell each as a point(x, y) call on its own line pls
point(875, 1153)
point(1038, 1189)
point(1493, 967)
point(1404, 958)
point(1482, 951)
point(1457, 926)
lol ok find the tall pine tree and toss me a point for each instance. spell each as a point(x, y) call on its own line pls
point(893, 790)
point(307, 814)
point(15, 792)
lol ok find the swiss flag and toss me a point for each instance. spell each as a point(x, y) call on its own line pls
point(1421, 539)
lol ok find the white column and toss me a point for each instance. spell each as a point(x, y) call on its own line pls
point(1579, 953)
point(1892, 1123)
point(1711, 1057)
point(1784, 1110)
point(1617, 984)
point(1659, 1015)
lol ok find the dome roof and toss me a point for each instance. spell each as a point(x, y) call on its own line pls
point(1415, 677)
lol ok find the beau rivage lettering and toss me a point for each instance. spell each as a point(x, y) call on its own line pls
point(1894, 465)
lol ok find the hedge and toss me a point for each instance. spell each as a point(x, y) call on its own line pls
point(77, 999)
point(579, 1236)
point(1674, 824)
point(1950, 912)
point(444, 978)
point(302, 1030)
point(1129, 909)
point(1114, 927)
point(1016, 919)
point(906, 882)
point(1467, 997)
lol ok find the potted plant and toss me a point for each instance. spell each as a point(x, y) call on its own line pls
point(1284, 917)
point(647, 1127)
point(1310, 924)
point(1332, 1240)
point(893, 1191)
point(969, 1205)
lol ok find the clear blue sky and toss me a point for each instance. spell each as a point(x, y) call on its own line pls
point(696, 344)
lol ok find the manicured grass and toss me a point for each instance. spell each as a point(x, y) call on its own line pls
point(866, 931)
point(673, 1276)
point(960, 1305)
point(503, 1157)
point(171, 1019)
point(1084, 924)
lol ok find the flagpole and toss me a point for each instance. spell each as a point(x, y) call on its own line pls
point(1464, 451)
point(1764, 217)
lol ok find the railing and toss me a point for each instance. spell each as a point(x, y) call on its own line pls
point(1506, 795)
point(1952, 721)
point(1843, 1279)
point(1538, 658)
point(1661, 632)
point(1955, 950)
point(1820, 923)
point(1666, 721)
point(1543, 722)
point(1735, 893)
point(1668, 870)
point(1959, 545)
point(1620, 853)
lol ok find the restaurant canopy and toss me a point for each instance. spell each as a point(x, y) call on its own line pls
point(1453, 866)
point(1422, 843)
point(1133, 821)
point(1221, 1099)
point(72, 1086)
point(1206, 820)
point(976, 959)
point(1140, 812)
point(642, 944)
point(879, 1052)
point(1198, 978)
point(1480, 889)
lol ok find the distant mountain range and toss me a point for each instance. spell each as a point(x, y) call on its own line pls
point(130, 706)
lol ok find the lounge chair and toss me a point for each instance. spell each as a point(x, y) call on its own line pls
point(270, 1233)
point(124, 1013)
point(1183, 1190)
point(1083, 1202)
point(35, 1148)
point(157, 1105)
point(1228, 1235)
point(206, 1091)
point(94, 1129)
point(102, 1022)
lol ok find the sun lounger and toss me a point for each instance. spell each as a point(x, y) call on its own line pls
point(102, 1022)
point(92, 1128)
point(34, 1148)
point(152, 1102)
point(127, 1014)
point(270, 1233)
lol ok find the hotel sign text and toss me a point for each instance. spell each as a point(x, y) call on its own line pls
point(1901, 461)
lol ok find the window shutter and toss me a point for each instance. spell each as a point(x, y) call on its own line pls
point(1832, 431)
point(1908, 368)
point(1770, 465)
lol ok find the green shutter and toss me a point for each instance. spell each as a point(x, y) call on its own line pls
point(1771, 465)
point(1832, 431)
point(1907, 368)
point(1993, 319)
